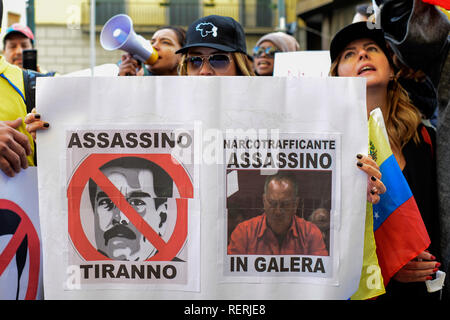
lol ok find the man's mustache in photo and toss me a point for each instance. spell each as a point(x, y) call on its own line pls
point(119, 230)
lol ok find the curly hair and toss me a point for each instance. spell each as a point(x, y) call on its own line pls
point(401, 117)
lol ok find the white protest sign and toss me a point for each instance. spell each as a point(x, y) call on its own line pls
point(95, 121)
point(302, 64)
point(20, 244)
point(104, 70)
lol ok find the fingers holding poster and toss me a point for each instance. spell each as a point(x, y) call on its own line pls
point(281, 206)
point(128, 206)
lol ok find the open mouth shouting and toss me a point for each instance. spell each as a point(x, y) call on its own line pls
point(366, 68)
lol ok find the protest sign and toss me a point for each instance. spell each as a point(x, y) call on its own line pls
point(302, 64)
point(130, 210)
point(97, 125)
point(104, 70)
point(20, 244)
point(313, 161)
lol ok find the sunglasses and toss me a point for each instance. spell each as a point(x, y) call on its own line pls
point(269, 51)
point(218, 61)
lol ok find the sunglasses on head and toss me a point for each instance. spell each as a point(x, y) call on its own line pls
point(269, 51)
point(217, 61)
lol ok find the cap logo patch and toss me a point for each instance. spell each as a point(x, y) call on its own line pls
point(206, 28)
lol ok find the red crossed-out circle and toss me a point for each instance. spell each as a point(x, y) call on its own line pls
point(25, 229)
point(90, 169)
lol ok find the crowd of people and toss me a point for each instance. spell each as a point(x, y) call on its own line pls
point(183, 53)
point(406, 64)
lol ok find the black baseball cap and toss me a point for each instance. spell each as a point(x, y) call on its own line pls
point(355, 31)
point(218, 32)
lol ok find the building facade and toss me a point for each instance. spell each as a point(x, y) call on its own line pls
point(323, 18)
point(14, 11)
point(62, 27)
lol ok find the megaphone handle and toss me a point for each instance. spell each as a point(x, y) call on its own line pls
point(137, 71)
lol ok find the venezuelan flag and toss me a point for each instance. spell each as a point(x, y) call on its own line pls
point(400, 233)
point(371, 281)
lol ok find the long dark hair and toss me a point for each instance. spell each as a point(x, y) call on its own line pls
point(180, 33)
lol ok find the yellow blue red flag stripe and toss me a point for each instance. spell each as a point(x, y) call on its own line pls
point(397, 195)
point(400, 233)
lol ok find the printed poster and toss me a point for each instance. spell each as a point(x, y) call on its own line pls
point(282, 200)
point(296, 64)
point(128, 197)
point(102, 128)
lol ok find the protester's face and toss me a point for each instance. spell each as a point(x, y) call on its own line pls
point(165, 42)
point(14, 46)
point(264, 63)
point(280, 205)
point(115, 235)
point(364, 58)
point(202, 61)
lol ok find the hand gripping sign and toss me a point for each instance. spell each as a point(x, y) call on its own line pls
point(24, 233)
point(90, 169)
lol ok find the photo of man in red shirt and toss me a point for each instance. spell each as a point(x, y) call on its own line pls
point(278, 231)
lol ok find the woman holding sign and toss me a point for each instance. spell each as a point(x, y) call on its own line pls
point(357, 51)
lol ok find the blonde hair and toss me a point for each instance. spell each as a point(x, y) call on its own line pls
point(401, 117)
point(244, 66)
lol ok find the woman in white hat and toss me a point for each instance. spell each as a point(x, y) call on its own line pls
point(267, 46)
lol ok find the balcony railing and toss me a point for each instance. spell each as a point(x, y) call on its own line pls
point(250, 13)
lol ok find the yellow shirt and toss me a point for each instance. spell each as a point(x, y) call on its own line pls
point(12, 98)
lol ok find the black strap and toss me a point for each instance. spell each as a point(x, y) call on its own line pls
point(427, 139)
point(29, 84)
point(444, 82)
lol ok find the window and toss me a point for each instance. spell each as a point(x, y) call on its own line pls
point(183, 12)
point(105, 9)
